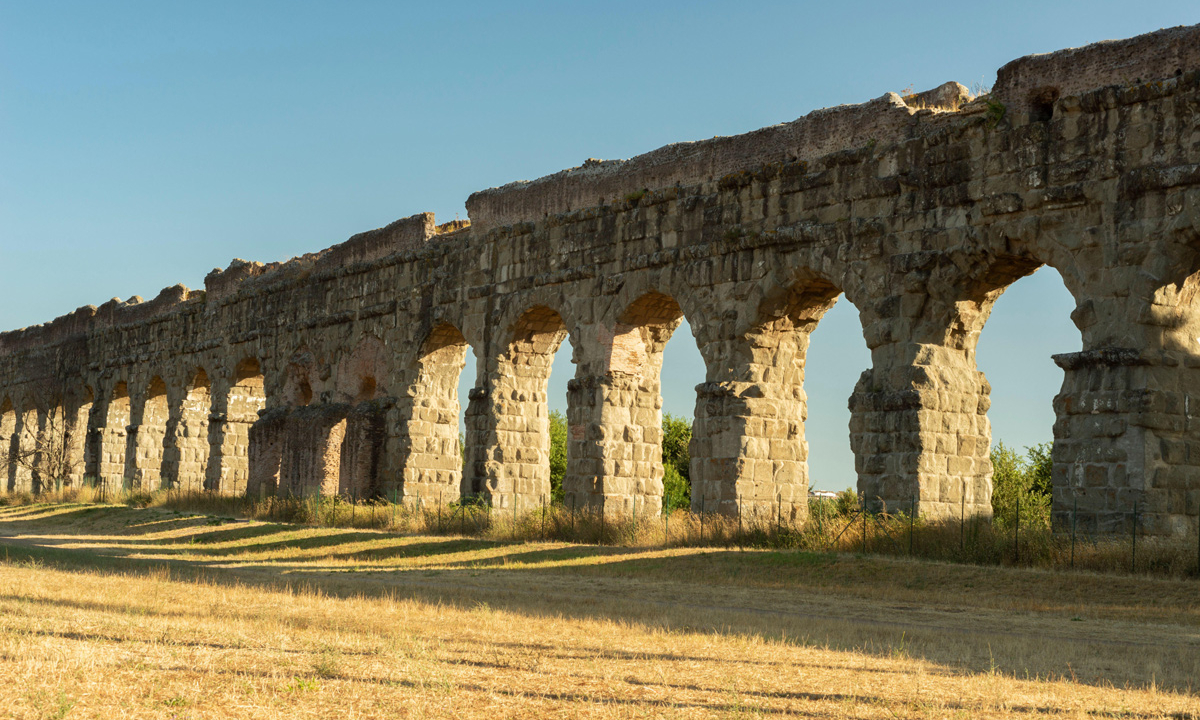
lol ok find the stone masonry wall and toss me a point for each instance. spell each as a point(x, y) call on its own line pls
point(336, 372)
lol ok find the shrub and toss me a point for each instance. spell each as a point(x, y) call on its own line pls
point(677, 461)
point(677, 492)
point(1040, 467)
point(677, 436)
point(558, 455)
point(1021, 483)
point(846, 502)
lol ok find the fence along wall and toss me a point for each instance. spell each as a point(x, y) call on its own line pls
point(335, 371)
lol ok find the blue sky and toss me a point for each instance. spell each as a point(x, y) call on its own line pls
point(143, 144)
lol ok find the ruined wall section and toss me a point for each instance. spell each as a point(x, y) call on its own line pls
point(923, 235)
point(248, 312)
point(919, 209)
point(353, 328)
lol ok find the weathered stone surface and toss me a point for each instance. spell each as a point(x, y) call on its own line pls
point(337, 371)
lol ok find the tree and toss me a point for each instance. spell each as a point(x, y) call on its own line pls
point(677, 491)
point(558, 455)
point(677, 460)
point(1040, 466)
point(1021, 482)
point(677, 436)
point(47, 453)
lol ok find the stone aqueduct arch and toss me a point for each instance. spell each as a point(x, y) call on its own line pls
point(336, 371)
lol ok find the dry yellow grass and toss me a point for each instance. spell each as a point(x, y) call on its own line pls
point(111, 612)
point(828, 529)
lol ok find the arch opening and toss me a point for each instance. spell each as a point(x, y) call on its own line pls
point(562, 370)
point(29, 448)
point(683, 370)
point(56, 455)
point(472, 432)
point(833, 362)
point(21, 434)
point(1025, 323)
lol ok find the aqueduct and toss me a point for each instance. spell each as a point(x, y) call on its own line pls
point(337, 371)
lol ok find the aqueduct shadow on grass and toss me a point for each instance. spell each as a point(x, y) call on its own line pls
point(873, 605)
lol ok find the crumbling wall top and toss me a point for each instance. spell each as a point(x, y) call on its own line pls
point(1027, 82)
point(598, 182)
point(407, 233)
point(1023, 85)
point(84, 319)
point(404, 235)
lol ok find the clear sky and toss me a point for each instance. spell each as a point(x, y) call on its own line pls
point(144, 143)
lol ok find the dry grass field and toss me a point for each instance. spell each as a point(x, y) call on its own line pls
point(107, 611)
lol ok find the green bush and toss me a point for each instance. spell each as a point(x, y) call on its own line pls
point(846, 502)
point(1021, 482)
point(677, 461)
point(677, 435)
point(677, 492)
point(843, 506)
point(1039, 467)
point(558, 455)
